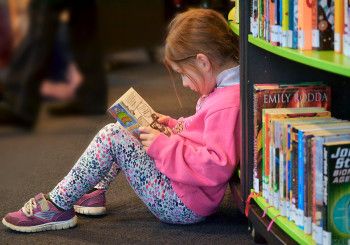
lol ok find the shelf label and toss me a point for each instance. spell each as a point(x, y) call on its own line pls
point(337, 42)
point(307, 225)
point(256, 185)
point(301, 39)
point(315, 38)
point(327, 238)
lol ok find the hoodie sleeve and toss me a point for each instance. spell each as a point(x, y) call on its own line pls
point(209, 163)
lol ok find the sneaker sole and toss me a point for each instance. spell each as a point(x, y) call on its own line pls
point(89, 210)
point(61, 225)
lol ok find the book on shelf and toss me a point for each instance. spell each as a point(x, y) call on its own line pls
point(323, 35)
point(338, 25)
point(282, 96)
point(336, 176)
point(268, 157)
point(346, 39)
point(304, 169)
point(281, 165)
point(300, 154)
point(132, 112)
point(305, 25)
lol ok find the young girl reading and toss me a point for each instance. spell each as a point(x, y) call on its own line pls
point(181, 178)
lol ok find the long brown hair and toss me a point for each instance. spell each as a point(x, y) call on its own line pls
point(200, 31)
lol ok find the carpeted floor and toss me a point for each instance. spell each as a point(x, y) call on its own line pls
point(35, 162)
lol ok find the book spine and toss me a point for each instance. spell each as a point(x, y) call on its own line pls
point(319, 191)
point(325, 17)
point(346, 40)
point(294, 177)
point(254, 21)
point(314, 26)
point(273, 22)
point(305, 25)
point(295, 24)
point(308, 191)
point(300, 204)
point(326, 236)
point(257, 176)
point(286, 40)
point(338, 25)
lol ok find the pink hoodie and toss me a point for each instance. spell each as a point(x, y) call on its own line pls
point(200, 158)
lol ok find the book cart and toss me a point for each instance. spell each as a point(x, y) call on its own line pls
point(262, 62)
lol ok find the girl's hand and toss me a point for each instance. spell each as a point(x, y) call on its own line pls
point(147, 136)
point(163, 119)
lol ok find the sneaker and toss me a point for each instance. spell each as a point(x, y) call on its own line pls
point(93, 203)
point(39, 214)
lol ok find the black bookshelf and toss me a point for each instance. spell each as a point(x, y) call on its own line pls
point(261, 65)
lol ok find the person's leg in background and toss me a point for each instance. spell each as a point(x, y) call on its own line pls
point(91, 96)
point(21, 102)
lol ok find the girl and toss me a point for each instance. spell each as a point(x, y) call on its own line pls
point(181, 178)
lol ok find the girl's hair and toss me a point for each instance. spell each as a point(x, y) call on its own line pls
point(200, 31)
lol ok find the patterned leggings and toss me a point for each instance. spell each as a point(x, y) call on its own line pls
point(114, 149)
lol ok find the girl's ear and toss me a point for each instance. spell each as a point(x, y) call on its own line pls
point(203, 62)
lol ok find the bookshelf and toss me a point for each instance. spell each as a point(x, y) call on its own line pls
point(262, 62)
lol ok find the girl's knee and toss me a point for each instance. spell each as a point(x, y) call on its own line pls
point(111, 127)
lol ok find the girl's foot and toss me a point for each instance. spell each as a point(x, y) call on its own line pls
point(39, 214)
point(93, 203)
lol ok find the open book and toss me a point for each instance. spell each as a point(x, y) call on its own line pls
point(132, 112)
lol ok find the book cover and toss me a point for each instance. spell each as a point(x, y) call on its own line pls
point(324, 34)
point(132, 111)
point(282, 96)
point(336, 157)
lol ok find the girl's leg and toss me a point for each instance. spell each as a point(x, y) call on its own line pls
point(153, 187)
point(114, 144)
point(108, 178)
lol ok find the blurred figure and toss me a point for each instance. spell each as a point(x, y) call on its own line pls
point(63, 77)
point(32, 58)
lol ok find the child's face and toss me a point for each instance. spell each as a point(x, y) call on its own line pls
point(202, 83)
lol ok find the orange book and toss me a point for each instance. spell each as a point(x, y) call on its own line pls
point(305, 24)
point(338, 25)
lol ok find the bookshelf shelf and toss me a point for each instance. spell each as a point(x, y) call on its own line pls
point(325, 60)
point(234, 27)
point(261, 62)
point(287, 226)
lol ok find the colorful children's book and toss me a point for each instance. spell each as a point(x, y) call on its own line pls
point(132, 111)
point(282, 96)
point(336, 158)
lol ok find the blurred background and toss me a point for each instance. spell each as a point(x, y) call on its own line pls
point(62, 63)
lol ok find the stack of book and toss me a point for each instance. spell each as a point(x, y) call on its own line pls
point(304, 25)
point(302, 158)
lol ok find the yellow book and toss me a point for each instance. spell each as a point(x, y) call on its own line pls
point(338, 25)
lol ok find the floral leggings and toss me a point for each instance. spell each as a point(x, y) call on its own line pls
point(114, 149)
